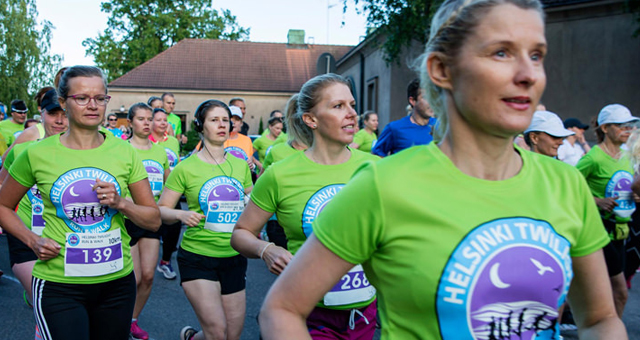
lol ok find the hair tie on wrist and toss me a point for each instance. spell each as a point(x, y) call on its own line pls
point(265, 248)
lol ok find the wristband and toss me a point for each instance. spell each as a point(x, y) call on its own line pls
point(265, 248)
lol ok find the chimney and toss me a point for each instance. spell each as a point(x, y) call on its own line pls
point(295, 37)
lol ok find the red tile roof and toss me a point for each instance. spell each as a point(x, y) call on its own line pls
point(203, 64)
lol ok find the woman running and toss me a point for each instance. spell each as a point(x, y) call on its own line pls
point(609, 175)
point(264, 143)
point(365, 139)
point(469, 238)
point(83, 284)
point(297, 188)
point(30, 208)
point(144, 243)
point(545, 133)
point(215, 183)
point(170, 232)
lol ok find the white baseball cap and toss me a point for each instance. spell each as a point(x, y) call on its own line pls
point(615, 114)
point(235, 111)
point(548, 122)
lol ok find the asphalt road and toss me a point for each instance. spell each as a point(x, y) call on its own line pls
point(168, 310)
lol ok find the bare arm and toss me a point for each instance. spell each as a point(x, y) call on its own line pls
point(142, 211)
point(10, 194)
point(245, 239)
point(591, 300)
point(167, 203)
point(313, 271)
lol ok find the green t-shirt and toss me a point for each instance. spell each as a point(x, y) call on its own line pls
point(176, 123)
point(263, 145)
point(10, 130)
point(155, 161)
point(277, 153)
point(365, 140)
point(95, 244)
point(211, 190)
point(3, 145)
point(458, 257)
point(296, 189)
point(31, 207)
point(172, 148)
point(282, 137)
point(609, 177)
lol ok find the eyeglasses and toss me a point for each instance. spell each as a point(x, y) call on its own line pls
point(113, 120)
point(83, 99)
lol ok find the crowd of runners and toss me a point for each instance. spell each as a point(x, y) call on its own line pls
point(504, 223)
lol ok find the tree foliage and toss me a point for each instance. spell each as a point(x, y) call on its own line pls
point(25, 60)
point(140, 29)
point(400, 21)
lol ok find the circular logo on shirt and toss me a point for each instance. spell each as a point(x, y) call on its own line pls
point(316, 204)
point(505, 280)
point(37, 208)
point(73, 240)
point(237, 152)
point(620, 186)
point(172, 156)
point(77, 204)
point(221, 188)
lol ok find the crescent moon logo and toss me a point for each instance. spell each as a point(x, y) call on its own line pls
point(73, 193)
point(215, 194)
point(495, 279)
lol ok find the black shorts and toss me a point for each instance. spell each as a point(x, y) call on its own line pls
point(84, 311)
point(18, 251)
point(136, 233)
point(231, 272)
point(615, 257)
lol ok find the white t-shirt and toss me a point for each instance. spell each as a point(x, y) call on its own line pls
point(570, 154)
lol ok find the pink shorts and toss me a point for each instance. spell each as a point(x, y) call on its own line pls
point(325, 324)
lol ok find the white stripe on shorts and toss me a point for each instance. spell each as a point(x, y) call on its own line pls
point(37, 285)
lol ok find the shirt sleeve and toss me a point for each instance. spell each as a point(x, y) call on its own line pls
point(354, 237)
point(138, 172)
point(592, 236)
point(175, 180)
point(265, 191)
point(21, 170)
point(268, 160)
point(384, 143)
point(585, 165)
point(8, 161)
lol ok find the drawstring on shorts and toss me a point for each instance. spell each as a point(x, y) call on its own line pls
point(352, 321)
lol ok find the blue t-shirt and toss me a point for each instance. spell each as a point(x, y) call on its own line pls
point(116, 132)
point(401, 134)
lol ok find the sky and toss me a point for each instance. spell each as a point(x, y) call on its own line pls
point(269, 21)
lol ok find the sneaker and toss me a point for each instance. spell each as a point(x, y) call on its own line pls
point(187, 333)
point(138, 333)
point(166, 270)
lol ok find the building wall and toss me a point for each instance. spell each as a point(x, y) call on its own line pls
point(258, 104)
point(391, 80)
point(593, 60)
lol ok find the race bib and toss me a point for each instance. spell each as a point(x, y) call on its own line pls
point(93, 254)
point(352, 288)
point(156, 183)
point(37, 222)
point(223, 215)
